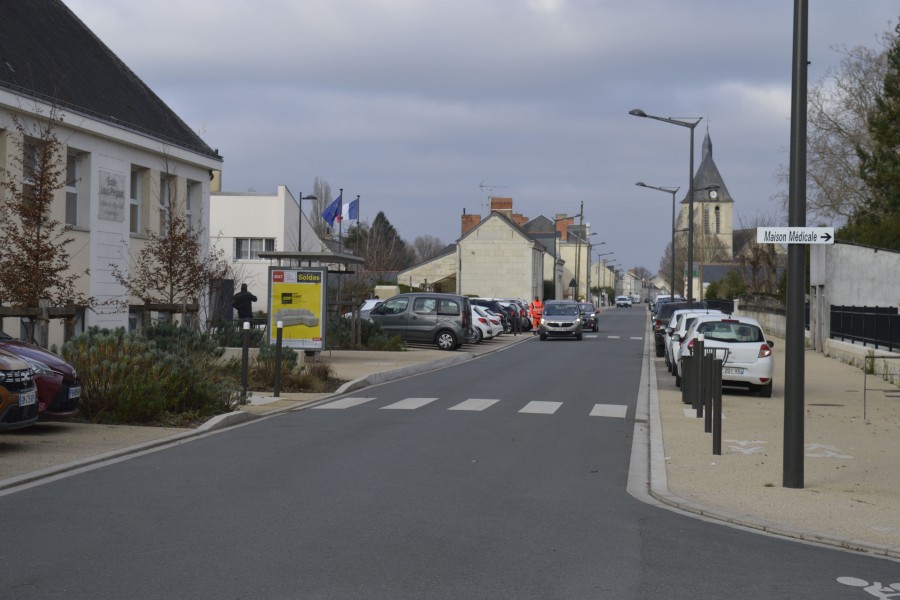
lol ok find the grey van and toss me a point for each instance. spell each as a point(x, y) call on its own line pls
point(442, 319)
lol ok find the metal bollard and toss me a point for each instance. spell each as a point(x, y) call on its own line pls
point(698, 375)
point(277, 385)
point(717, 407)
point(245, 356)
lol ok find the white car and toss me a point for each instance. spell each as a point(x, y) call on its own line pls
point(623, 301)
point(679, 323)
point(680, 342)
point(367, 305)
point(748, 360)
point(482, 325)
point(494, 320)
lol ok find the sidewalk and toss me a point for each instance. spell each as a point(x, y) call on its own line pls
point(851, 493)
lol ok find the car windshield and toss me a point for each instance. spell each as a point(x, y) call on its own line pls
point(587, 307)
point(561, 310)
point(730, 331)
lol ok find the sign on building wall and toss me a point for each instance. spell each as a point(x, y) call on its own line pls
point(297, 299)
point(112, 196)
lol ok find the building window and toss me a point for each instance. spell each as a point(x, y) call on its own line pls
point(164, 207)
point(249, 248)
point(134, 199)
point(191, 203)
point(705, 220)
point(718, 220)
point(72, 178)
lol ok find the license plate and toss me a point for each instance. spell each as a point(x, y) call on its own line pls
point(74, 392)
point(27, 398)
point(732, 370)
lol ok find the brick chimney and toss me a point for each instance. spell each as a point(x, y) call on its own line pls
point(469, 222)
point(502, 205)
point(562, 225)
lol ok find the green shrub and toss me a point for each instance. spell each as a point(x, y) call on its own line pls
point(371, 336)
point(127, 378)
point(230, 334)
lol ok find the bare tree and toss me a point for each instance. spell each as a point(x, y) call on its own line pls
point(759, 262)
point(175, 265)
point(322, 192)
point(34, 264)
point(427, 247)
point(839, 105)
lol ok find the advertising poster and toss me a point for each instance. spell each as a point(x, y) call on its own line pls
point(297, 299)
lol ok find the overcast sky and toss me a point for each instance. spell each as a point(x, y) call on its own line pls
point(419, 106)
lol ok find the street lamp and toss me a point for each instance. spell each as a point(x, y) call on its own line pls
point(672, 191)
point(578, 240)
point(300, 228)
point(690, 258)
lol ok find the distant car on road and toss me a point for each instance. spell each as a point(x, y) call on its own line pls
point(623, 302)
point(589, 312)
point(561, 318)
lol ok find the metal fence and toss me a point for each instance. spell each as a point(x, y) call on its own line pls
point(870, 325)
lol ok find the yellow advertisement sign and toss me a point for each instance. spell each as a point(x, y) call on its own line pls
point(297, 299)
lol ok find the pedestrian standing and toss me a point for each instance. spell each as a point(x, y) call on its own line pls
point(243, 303)
point(537, 309)
point(515, 326)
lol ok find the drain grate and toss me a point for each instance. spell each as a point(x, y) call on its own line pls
point(826, 405)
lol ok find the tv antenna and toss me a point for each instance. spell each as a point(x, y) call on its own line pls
point(490, 187)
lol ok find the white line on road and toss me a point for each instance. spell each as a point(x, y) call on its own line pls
point(474, 404)
point(409, 404)
point(345, 403)
point(609, 410)
point(541, 408)
point(612, 337)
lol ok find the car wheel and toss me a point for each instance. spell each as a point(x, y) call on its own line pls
point(446, 340)
point(543, 337)
point(479, 336)
point(765, 390)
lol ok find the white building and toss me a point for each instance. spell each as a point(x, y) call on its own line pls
point(130, 159)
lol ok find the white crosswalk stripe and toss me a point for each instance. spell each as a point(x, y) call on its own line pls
point(615, 411)
point(409, 404)
point(475, 404)
point(541, 408)
point(609, 410)
point(344, 403)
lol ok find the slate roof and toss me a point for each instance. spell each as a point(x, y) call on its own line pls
point(708, 174)
point(49, 54)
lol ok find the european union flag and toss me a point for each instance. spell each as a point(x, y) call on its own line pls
point(332, 211)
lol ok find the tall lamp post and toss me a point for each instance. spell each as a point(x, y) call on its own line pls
point(300, 222)
point(601, 283)
point(690, 258)
point(587, 243)
point(672, 191)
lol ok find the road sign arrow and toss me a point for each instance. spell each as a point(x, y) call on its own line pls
point(826, 237)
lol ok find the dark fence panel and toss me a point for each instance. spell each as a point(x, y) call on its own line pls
point(875, 325)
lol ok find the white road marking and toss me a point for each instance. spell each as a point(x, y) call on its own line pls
point(609, 410)
point(345, 403)
point(409, 404)
point(476, 404)
point(541, 408)
point(612, 337)
point(637, 338)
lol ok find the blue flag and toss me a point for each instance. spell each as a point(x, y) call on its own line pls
point(332, 211)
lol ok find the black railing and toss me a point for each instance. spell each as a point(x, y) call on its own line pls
point(878, 326)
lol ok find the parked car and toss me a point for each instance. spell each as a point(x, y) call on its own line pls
point(589, 313)
point(366, 308)
point(481, 324)
point(561, 318)
point(441, 319)
point(678, 324)
point(623, 301)
point(663, 315)
point(18, 393)
point(747, 355)
point(58, 386)
point(495, 306)
point(494, 320)
point(679, 342)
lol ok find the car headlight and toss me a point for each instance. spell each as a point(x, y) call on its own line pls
point(38, 367)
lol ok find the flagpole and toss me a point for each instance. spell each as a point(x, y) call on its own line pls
point(340, 221)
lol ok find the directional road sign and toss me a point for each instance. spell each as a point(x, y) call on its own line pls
point(795, 235)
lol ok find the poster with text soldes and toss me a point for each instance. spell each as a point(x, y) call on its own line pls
point(297, 299)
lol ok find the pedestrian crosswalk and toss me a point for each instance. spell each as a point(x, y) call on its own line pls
point(535, 407)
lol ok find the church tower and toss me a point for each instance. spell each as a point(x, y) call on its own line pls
point(713, 212)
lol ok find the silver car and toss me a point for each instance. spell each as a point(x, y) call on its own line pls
point(561, 318)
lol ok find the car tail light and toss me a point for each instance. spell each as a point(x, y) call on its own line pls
point(690, 346)
point(482, 320)
point(764, 351)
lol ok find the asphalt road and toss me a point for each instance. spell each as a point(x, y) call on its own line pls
point(501, 477)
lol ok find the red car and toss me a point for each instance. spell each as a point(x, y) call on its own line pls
point(58, 387)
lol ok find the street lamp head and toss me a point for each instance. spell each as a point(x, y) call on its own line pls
point(641, 183)
point(636, 112)
point(309, 197)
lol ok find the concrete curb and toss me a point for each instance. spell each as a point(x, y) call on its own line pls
point(659, 491)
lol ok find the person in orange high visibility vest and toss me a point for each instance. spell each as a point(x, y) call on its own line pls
point(537, 309)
